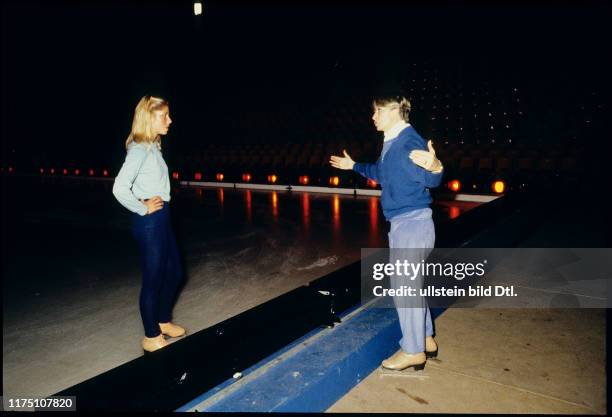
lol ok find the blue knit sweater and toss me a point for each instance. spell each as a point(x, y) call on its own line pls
point(405, 185)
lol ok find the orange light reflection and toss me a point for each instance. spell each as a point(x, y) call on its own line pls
point(249, 205)
point(221, 196)
point(336, 215)
point(306, 211)
point(454, 212)
point(274, 204)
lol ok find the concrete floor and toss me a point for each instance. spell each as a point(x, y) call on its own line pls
point(71, 285)
point(499, 361)
point(510, 360)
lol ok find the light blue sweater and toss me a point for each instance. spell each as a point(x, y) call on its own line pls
point(144, 175)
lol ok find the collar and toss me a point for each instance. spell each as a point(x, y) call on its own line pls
point(153, 145)
point(395, 130)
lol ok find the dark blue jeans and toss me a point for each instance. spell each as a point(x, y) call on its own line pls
point(161, 268)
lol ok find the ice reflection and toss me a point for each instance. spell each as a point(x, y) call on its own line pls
point(275, 204)
point(362, 216)
point(454, 212)
point(248, 198)
point(336, 210)
point(336, 216)
point(221, 197)
point(306, 211)
point(374, 226)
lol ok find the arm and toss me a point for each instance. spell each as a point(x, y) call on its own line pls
point(346, 162)
point(428, 167)
point(122, 188)
point(366, 170)
point(412, 171)
point(427, 178)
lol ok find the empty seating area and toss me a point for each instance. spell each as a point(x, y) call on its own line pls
point(519, 166)
point(484, 126)
point(287, 161)
point(475, 165)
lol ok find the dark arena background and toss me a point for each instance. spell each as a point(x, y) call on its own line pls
point(514, 97)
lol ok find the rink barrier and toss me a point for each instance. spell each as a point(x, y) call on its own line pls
point(481, 198)
point(314, 372)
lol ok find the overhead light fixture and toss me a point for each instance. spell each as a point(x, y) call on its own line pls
point(197, 8)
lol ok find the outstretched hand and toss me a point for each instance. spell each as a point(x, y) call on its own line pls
point(342, 162)
point(427, 159)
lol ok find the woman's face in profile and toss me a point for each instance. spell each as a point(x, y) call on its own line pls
point(161, 121)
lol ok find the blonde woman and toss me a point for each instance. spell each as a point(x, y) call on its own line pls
point(143, 187)
point(406, 169)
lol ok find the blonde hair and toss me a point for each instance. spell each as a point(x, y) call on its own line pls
point(401, 101)
point(142, 125)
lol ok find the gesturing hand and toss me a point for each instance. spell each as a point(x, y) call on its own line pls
point(345, 162)
point(427, 159)
point(154, 204)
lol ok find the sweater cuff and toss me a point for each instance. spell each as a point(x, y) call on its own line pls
point(143, 210)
